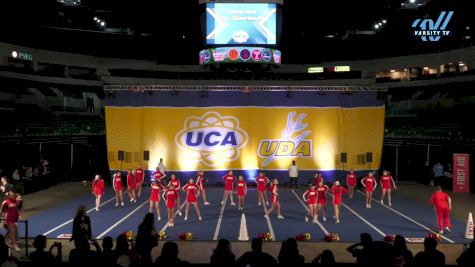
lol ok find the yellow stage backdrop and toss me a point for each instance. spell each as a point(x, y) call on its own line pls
point(221, 138)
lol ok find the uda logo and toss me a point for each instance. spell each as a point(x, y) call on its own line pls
point(212, 138)
point(292, 143)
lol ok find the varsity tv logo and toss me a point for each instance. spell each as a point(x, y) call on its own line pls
point(430, 31)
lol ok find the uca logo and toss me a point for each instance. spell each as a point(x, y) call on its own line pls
point(212, 138)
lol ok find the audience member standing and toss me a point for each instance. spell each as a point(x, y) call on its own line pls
point(5, 186)
point(438, 172)
point(256, 257)
point(289, 253)
point(430, 256)
point(16, 175)
point(10, 209)
point(222, 254)
point(81, 227)
point(146, 239)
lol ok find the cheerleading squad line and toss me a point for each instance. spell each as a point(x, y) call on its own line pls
point(314, 196)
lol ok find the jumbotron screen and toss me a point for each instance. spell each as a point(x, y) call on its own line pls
point(243, 23)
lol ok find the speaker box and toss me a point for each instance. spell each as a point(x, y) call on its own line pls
point(369, 157)
point(121, 155)
point(146, 155)
point(343, 157)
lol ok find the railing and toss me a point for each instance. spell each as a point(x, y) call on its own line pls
point(26, 235)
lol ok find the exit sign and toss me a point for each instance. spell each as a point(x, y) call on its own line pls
point(22, 55)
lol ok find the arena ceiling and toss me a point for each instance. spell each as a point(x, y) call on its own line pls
point(171, 33)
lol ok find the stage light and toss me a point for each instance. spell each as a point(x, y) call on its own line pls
point(250, 175)
point(380, 24)
point(95, 18)
point(376, 26)
point(384, 21)
point(14, 54)
point(412, 1)
point(103, 24)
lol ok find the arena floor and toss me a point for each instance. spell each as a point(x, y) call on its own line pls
point(50, 213)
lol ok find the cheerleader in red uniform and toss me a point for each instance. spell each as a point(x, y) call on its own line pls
point(337, 192)
point(192, 190)
point(228, 187)
point(176, 184)
point(274, 199)
point(310, 196)
point(351, 182)
point(157, 187)
point(158, 175)
point(200, 183)
point(169, 196)
point(261, 182)
point(442, 204)
point(98, 190)
point(386, 181)
point(369, 182)
point(131, 185)
point(139, 174)
point(318, 178)
point(322, 199)
point(241, 191)
point(118, 187)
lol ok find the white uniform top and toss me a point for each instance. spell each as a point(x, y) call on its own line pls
point(294, 171)
point(161, 167)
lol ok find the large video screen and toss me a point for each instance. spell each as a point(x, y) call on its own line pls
point(243, 23)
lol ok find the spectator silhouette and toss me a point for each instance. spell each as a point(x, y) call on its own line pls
point(430, 256)
point(222, 254)
point(82, 255)
point(402, 255)
point(123, 255)
point(169, 256)
point(256, 257)
point(146, 239)
point(107, 256)
point(360, 250)
point(380, 254)
point(39, 257)
point(81, 227)
point(289, 253)
point(325, 259)
point(3, 249)
point(467, 258)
